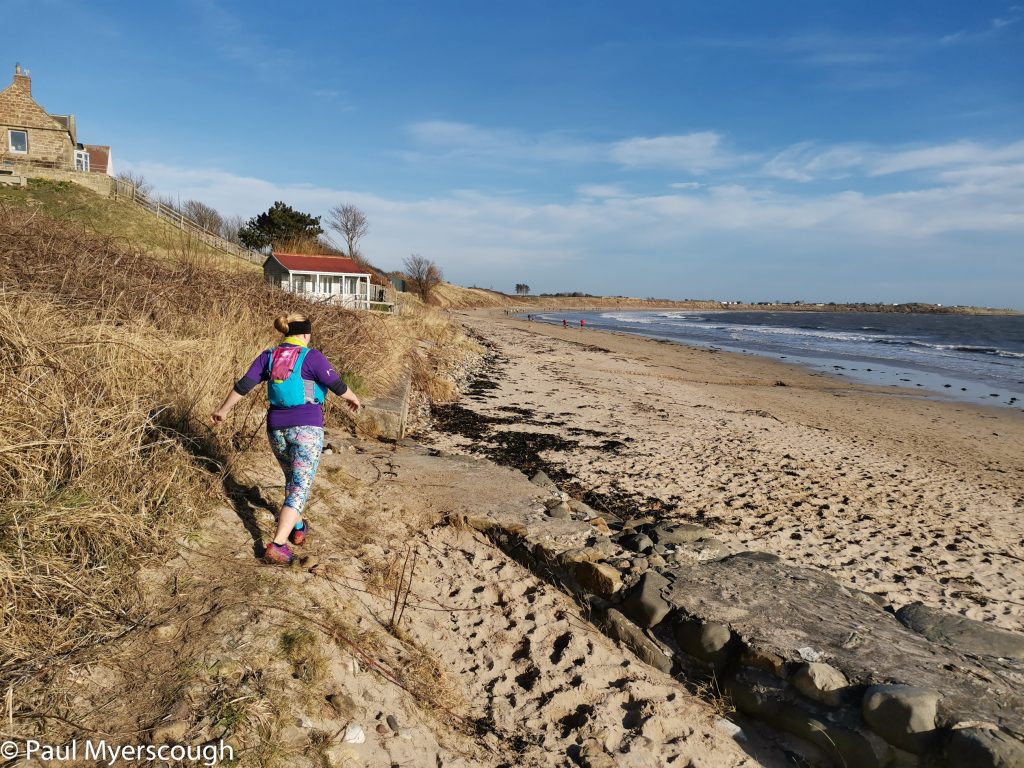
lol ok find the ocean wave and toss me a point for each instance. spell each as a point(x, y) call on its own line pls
point(976, 350)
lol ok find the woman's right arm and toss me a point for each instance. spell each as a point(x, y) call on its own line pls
point(257, 372)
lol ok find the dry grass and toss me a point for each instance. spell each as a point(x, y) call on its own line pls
point(110, 362)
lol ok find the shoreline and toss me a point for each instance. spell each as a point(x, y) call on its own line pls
point(938, 384)
point(908, 497)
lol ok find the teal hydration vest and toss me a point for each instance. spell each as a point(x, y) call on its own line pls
point(294, 390)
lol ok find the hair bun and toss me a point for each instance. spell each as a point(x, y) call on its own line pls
point(281, 324)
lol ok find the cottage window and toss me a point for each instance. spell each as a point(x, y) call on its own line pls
point(19, 142)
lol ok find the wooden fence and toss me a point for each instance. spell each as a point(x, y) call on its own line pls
point(125, 190)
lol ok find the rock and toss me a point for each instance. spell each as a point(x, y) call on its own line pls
point(600, 525)
point(637, 522)
point(821, 682)
point(656, 561)
point(345, 706)
point(764, 660)
point(637, 542)
point(405, 733)
point(383, 729)
point(171, 732)
point(354, 734)
point(598, 578)
point(639, 564)
point(766, 698)
point(679, 533)
point(592, 755)
point(392, 722)
point(541, 479)
point(560, 511)
point(902, 715)
point(340, 756)
point(705, 640)
point(583, 510)
point(982, 748)
point(644, 603)
point(581, 555)
point(961, 633)
point(624, 631)
point(701, 551)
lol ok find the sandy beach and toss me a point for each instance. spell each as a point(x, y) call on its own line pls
point(910, 498)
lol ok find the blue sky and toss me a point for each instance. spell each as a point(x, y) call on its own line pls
point(832, 151)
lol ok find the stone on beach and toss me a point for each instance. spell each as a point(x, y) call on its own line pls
point(961, 633)
point(541, 479)
point(903, 715)
point(820, 682)
point(598, 578)
point(644, 603)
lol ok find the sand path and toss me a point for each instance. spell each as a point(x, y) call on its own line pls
point(910, 498)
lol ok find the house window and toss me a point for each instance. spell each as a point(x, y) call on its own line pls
point(81, 160)
point(18, 141)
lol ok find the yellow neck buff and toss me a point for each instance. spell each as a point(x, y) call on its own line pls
point(294, 340)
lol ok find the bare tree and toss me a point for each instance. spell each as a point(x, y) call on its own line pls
point(423, 275)
point(522, 289)
point(142, 186)
point(351, 224)
point(204, 215)
point(230, 226)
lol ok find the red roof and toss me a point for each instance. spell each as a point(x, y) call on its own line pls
point(300, 262)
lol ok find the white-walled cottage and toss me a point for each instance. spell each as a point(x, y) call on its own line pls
point(335, 279)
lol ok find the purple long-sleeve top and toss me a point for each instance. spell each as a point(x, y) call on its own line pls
point(315, 367)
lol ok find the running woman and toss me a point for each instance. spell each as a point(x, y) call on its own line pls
point(298, 379)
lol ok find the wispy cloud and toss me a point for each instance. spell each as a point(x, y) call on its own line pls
point(694, 152)
point(235, 41)
point(1013, 15)
point(810, 162)
point(600, 190)
point(698, 152)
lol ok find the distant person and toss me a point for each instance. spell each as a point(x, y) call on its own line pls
point(565, 323)
point(583, 323)
point(298, 379)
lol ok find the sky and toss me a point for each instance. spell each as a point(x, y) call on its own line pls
point(853, 150)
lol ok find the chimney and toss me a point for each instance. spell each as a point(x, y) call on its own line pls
point(22, 81)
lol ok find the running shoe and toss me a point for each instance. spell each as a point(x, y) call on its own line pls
point(278, 553)
point(298, 535)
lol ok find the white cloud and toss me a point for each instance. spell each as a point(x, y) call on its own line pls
point(476, 235)
point(600, 190)
point(809, 162)
point(693, 152)
point(689, 185)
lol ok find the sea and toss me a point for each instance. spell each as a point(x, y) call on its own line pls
point(969, 358)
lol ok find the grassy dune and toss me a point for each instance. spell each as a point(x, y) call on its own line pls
point(111, 359)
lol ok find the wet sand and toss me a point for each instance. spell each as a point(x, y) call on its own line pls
point(907, 497)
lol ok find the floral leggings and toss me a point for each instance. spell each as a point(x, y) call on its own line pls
point(297, 450)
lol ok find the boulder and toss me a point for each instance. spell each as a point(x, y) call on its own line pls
point(678, 533)
point(598, 578)
point(821, 682)
point(705, 640)
point(766, 698)
point(622, 630)
point(960, 633)
point(982, 748)
point(902, 715)
point(583, 510)
point(600, 526)
point(644, 603)
point(560, 511)
point(637, 542)
point(542, 480)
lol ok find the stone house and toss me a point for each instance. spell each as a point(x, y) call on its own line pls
point(29, 135)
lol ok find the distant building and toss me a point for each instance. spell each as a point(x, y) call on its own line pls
point(332, 279)
point(29, 135)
